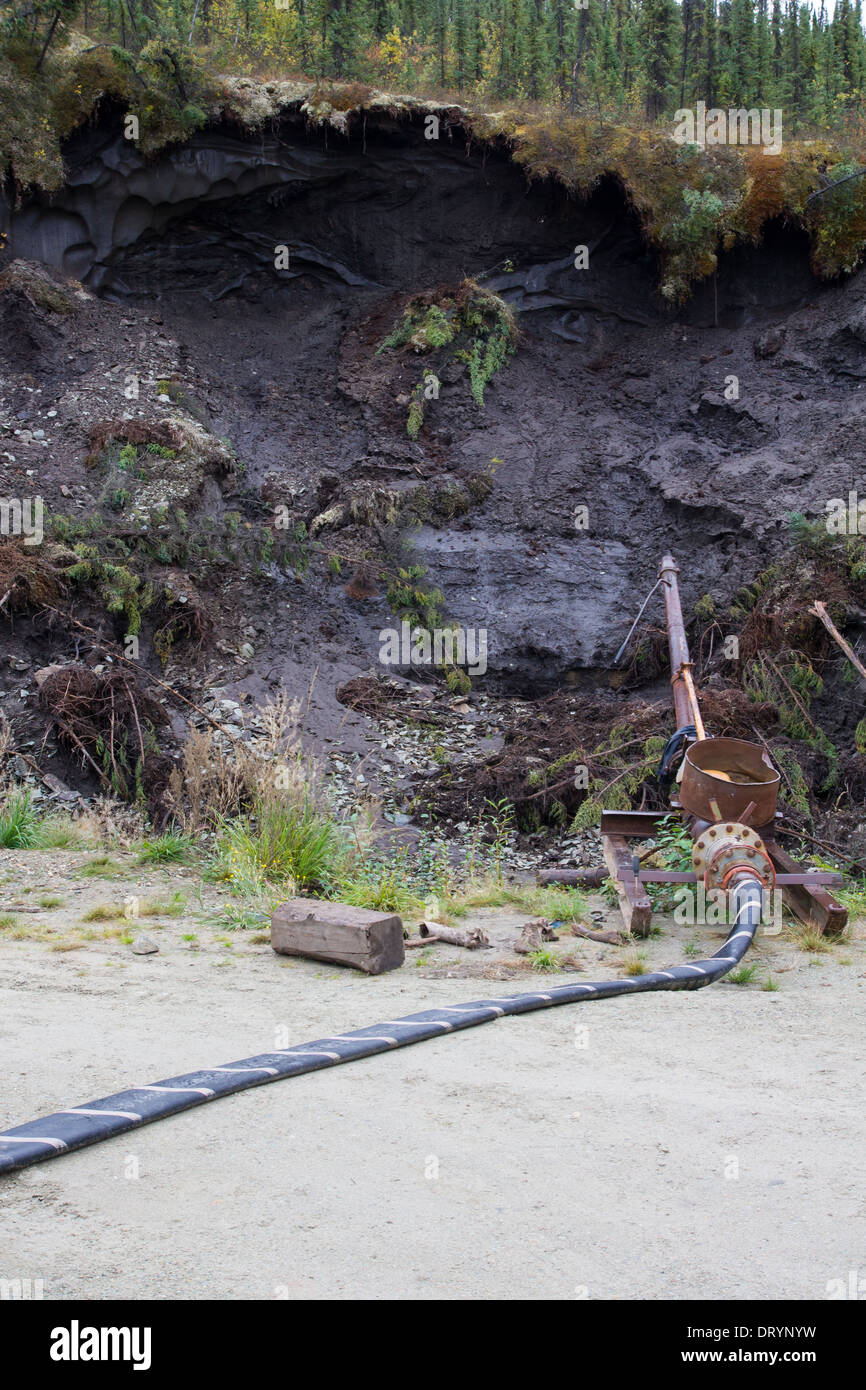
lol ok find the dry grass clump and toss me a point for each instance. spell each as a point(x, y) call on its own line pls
point(268, 804)
point(218, 778)
point(112, 822)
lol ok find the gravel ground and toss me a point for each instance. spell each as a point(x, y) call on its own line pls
point(672, 1146)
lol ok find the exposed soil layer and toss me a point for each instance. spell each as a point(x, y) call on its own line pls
point(697, 431)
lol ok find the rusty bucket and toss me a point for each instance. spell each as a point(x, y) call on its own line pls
point(748, 792)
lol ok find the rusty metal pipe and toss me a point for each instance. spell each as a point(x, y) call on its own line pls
point(677, 644)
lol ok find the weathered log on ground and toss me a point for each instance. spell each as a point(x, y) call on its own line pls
point(354, 936)
point(572, 878)
point(472, 940)
point(610, 938)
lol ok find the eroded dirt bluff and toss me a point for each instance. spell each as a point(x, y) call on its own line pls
point(613, 401)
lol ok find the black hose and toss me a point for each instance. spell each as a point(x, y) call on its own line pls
point(674, 746)
point(102, 1119)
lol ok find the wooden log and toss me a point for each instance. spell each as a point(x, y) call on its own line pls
point(354, 936)
point(610, 938)
point(472, 940)
point(572, 878)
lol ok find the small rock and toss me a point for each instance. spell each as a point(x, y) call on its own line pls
point(769, 343)
point(144, 946)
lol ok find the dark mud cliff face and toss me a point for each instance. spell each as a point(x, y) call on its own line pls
point(275, 267)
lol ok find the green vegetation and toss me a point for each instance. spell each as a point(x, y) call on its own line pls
point(172, 847)
point(131, 909)
point(634, 962)
point(19, 822)
point(104, 912)
point(475, 325)
point(175, 906)
point(852, 895)
point(382, 885)
point(784, 654)
point(674, 844)
point(62, 832)
point(279, 843)
point(544, 960)
point(812, 941)
point(121, 590)
point(102, 866)
point(743, 975)
point(422, 609)
point(614, 773)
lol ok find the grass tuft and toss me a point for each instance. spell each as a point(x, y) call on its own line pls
point(546, 962)
point(172, 847)
point(634, 962)
point(279, 843)
point(18, 822)
point(743, 975)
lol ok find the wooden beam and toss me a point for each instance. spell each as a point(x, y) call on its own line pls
point(813, 905)
point(634, 905)
point(368, 941)
point(643, 823)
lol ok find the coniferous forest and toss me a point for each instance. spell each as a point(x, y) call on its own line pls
point(621, 58)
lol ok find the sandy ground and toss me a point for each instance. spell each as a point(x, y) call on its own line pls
point(673, 1146)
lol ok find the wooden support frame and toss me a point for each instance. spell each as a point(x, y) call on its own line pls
point(635, 906)
point(813, 905)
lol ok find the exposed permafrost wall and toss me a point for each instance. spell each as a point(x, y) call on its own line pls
point(695, 430)
point(113, 195)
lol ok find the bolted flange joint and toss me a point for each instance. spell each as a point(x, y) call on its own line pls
point(728, 848)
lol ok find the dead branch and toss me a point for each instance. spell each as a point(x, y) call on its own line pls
point(473, 940)
point(820, 611)
point(610, 938)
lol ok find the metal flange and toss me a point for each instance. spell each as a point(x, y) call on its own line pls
point(727, 847)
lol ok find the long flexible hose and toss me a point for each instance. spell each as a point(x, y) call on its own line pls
point(102, 1119)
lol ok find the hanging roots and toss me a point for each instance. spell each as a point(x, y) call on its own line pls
point(110, 721)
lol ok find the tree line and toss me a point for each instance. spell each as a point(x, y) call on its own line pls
point(620, 58)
